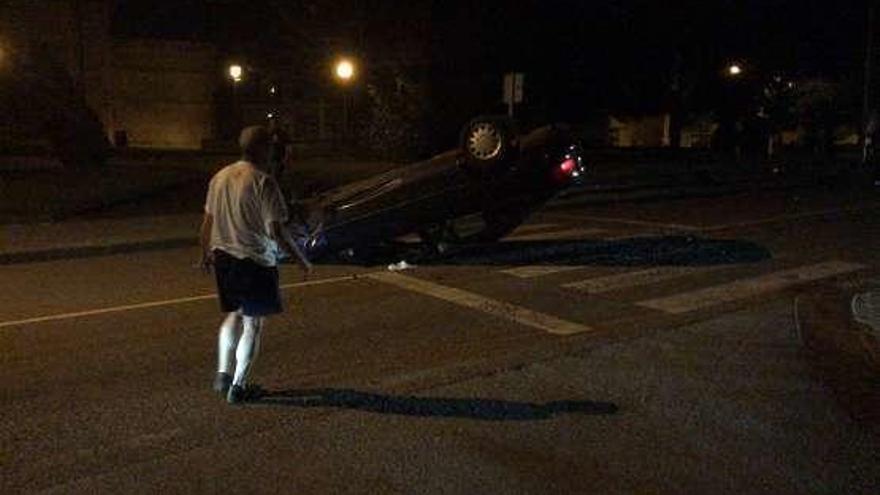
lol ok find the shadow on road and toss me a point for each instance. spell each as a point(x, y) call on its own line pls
point(838, 328)
point(636, 251)
point(480, 409)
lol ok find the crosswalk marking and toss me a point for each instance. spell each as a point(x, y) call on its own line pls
point(559, 234)
point(494, 307)
point(750, 287)
point(608, 283)
point(531, 271)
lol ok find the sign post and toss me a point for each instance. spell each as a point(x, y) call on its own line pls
point(513, 90)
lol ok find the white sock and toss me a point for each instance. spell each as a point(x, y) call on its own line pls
point(227, 339)
point(248, 347)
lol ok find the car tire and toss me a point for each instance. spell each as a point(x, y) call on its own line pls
point(488, 140)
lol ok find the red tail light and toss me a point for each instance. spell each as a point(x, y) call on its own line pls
point(568, 166)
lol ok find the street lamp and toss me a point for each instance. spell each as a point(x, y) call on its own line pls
point(734, 70)
point(235, 73)
point(344, 71)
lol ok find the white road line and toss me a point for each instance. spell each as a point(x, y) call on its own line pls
point(627, 221)
point(559, 234)
point(633, 235)
point(540, 270)
point(492, 307)
point(609, 283)
point(534, 227)
point(797, 216)
point(750, 287)
point(152, 304)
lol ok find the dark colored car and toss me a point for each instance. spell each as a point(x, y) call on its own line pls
point(496, 176)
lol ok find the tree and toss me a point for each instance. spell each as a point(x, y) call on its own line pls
point(393, 127)
point(816, 112)
point(41, 99)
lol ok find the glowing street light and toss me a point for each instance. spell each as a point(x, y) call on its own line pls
point(344, 70)
point(235, 72)
point(734, 70)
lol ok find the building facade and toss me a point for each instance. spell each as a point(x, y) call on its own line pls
point(145, 92)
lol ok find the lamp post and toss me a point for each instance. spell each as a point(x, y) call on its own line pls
point(344, 70)
point(869, 124)
point(734, 107)
point(236, 73)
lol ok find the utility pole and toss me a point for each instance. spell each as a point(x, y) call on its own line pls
point(868, 127)
point(80, 44)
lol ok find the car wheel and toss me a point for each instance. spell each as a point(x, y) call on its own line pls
point(486, 141)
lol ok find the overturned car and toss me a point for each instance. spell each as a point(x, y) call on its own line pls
point(476, 193)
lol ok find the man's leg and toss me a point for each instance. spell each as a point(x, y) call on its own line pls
point(227, 339)
point(248, 347)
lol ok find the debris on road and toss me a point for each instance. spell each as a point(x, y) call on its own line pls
point(399, 266)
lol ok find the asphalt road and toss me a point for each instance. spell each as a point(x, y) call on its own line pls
point(570, 358)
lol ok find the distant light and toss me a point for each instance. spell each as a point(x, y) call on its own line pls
point(272, 90)
point(270, 115)
point(734, 70)
point(235, 72)
point(344, 70)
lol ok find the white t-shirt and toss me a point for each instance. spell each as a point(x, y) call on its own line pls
point(243, 201)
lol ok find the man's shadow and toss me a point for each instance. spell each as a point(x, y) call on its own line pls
point(480, 409)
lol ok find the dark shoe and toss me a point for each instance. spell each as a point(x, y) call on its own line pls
point(222, 382)
point(238, 394)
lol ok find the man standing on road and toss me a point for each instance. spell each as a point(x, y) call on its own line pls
point(241, 238)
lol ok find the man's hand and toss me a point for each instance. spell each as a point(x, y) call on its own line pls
point(307, 269)
point(206, 262)
point(205, 242)
point(290, 249)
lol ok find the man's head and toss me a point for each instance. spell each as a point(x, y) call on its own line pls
point(254, 143)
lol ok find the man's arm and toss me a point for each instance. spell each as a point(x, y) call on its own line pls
point(205, 241)
point(289, 247)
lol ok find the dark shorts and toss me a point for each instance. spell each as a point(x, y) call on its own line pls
point(246, 285)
